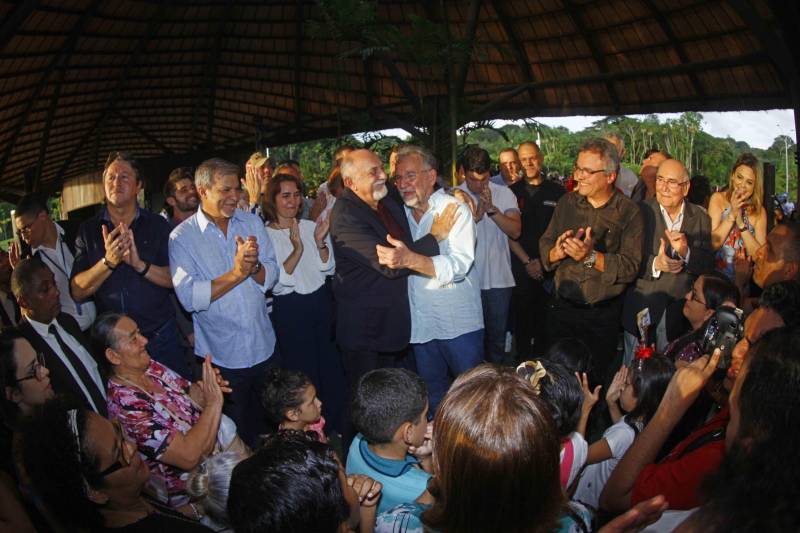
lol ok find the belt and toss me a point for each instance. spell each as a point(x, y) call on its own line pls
point(569, 302)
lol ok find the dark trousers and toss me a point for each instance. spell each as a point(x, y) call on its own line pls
point(359, 362)
point(597, 326)
point(529, 309)
point(163, 346)
point(439, 361)
point(243, 404)
point(305, 337)
point(496, 304)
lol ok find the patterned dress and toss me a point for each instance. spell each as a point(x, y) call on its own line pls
point(726, 255)
point(152, 421)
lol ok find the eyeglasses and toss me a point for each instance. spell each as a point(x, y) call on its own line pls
point(410, 175)
point(26, 228)
point(693, 296)
point(38, 368)
point(121, 461)
point(672, 184)
point(578, 171)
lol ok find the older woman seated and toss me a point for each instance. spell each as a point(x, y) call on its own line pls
point(89, 476)
point(175, 424)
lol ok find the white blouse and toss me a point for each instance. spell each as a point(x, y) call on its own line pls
point(309, 274)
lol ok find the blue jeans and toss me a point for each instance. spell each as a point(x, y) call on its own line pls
point(438, 360)
point(163, 346)
point(496, 303)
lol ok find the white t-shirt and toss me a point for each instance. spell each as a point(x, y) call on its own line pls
point(309, 274)
point(619, 437)
point(626, 180)
point(492, 255)
point(580, 450)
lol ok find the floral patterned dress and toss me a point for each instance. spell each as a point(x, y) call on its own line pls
point(152, 420)
point(726, 255)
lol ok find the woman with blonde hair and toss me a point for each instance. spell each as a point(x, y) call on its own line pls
point(738, 217)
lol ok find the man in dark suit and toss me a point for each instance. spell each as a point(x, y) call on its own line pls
point(56, 335)
point(677, 248)
point(373, 318)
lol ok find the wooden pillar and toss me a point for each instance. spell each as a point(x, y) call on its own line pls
point(769, 193)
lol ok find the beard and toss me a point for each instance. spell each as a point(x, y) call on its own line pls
point(379, 192)
point(189, 205)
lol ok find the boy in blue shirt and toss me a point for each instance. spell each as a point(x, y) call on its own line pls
point(390, 411)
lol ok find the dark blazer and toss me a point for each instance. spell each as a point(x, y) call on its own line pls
point(657, 293)
point(60, 377)
point(372, 300)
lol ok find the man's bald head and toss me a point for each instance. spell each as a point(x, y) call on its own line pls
point(672, 184)
point(362, 173)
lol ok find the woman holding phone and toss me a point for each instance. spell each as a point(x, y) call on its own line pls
point(738, 217)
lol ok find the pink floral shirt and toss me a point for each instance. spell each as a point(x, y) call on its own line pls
point(147, 421)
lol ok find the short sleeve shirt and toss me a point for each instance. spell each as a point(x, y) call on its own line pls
point(536, 205)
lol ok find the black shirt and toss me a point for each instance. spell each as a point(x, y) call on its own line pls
point(162, 522)
point(536, 206)
point(125, 291)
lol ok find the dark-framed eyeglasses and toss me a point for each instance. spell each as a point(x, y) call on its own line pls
point(38, 368)
point(121, 461)
point(579, 171)
point(696, 298)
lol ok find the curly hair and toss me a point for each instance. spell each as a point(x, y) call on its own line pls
point(283, 391)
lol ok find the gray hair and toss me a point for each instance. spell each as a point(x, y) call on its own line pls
point(424, 154)
point(204, 175)
point(606, 150)
point(210, 482)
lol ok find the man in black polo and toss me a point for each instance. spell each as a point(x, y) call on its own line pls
point(537, 199)
point(122, 260)
point(594, 244)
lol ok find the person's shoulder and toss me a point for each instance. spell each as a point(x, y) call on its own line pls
point(403, 518)
point(186, 227)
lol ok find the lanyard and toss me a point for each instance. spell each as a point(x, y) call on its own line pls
point(60, 269)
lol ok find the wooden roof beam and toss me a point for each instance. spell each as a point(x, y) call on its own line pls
point(152, 29)
point(403, 84)
point(138, 129)
point(14, 20)
point(298, 62)
point(526, 72)
point(575, 13)
point(462, 68)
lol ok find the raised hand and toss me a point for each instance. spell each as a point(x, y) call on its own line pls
point(210, 388)
point(558, 251)
point(132, 257)
point(590, 397)
point(617, 384)
point(664, 263)
point(367, 489)
point(580, 246)
point(394, 256)
point(13, 255)
point(294, 236)
point(116, 244)
point(687, 382)
point(444, 222)
point(321, 231)
point(677, 240)
point(244, 261)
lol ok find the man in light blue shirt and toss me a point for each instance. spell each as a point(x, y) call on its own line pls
point(444, 292)
point(222, 263)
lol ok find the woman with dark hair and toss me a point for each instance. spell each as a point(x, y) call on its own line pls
point(738, 217)
point(89, 476)
point(495, 461)
point(302, 303)
point(174, 423)
point(708, 292)
point(756, 487)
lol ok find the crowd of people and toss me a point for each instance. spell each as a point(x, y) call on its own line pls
point(402, 353)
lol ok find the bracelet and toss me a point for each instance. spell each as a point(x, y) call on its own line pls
point(257, 270)
point(143, 273)
point(108, 265)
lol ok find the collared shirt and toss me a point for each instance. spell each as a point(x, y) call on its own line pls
point(449, 304)
point(86, 358)
point(59, 260)
point(672, 225)
point(617, 230)
point(310, 272)
point(125, 291)
point(536, 205)
point(493, 256)
point(234, 328)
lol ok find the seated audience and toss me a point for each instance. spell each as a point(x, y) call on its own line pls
point(290, 402)
point(389, 409)
point(294, 484)
point(738, 217)
point(174, 423)
point(208, 485)
point(636, 392)
point(756, 486)
point(89, 476)
point(680, 474)
point(302, 304)
point(495, 454)
point(569, 406)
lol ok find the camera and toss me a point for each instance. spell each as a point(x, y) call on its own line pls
point(724, 330)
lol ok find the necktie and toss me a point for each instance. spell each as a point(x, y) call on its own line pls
point(80, 369)
point(392, 226)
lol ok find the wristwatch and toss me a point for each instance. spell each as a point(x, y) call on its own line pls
point(590, 261)
point(108, 264)
point(257, 270)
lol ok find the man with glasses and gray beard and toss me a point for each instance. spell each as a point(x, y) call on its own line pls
point(594, 244)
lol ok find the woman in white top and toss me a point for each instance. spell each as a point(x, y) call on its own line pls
point(302, 303)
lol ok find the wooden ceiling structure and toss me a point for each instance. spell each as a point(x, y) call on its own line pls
point(186, 78)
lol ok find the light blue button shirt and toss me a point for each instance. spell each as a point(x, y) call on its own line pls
point(449, 304)
point(234, 328)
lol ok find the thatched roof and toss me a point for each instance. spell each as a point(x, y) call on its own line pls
point(79, 78)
